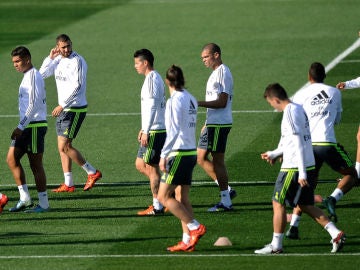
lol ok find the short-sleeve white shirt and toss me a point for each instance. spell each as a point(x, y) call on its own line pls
point(220, 81)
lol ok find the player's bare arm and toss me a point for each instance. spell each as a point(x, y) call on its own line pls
point(220, 102)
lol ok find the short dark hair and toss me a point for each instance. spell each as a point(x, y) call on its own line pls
point(213, 48)
point(317, 72)
point(175, 77)
point(275, 90)
point(63, 38)
point(22, 52)
point(145, 54)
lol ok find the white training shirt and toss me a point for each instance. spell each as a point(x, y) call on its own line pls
point(355, 83)
point(153, 102)
point(219, 81)
point(295, 143)
point(322, 104)
point(180, 115)
point(70, 76)
point(32, 98)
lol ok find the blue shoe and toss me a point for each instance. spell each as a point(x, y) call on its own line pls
point(330, 203)
point(21, 205)
point(37, 209)
point(232, 193)
point(220, 208)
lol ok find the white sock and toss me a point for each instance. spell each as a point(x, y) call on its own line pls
point(357, 167)
point(337, 194)
point(295, 219)
point(68, 179)
point(193, 225)
point(186, 238)
point(88, 168)
point(277, 240)
point(43, 200)
point(24, 193)
point(157, 205)
point(332, 230)
point(225, 198)
point(217, 182)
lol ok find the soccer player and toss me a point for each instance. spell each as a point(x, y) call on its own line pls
point(296, 179)
point(213, 137)
point(351, 84)
point(152, 134)
point(28, 137)
point(178, 159)
point(322, 104)
point(69, 69)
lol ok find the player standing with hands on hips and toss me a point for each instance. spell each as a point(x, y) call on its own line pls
point(178, 159)
point(29, 136)
point(213, 137)
point(296, 180)
point(69, 69)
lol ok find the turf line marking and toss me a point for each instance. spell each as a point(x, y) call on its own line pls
point(171, 255)
point(350, 61)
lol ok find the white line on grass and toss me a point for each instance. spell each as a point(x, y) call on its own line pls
point(170, 255)
point(351, 61)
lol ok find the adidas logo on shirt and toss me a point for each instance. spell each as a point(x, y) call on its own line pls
point(321, 98)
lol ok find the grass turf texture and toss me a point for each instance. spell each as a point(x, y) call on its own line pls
point(262, 42)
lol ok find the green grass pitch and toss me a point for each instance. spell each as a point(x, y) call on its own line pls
point(263, 41)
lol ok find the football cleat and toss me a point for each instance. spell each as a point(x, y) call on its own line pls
point(330, 203)
point(21, 205)
point(338, 242)
point(64, 188)
point(92, 178)
point(4, 200)
point(37, 209)
point(292, 233)
point(195, 235)
point(232, 193)
point(268, 249)
point(181, 246)
point(220, 207)
point(151, 211)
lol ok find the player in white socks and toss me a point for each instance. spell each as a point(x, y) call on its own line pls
point(322, 104)
point(296, 179)
point(28, 137)
point(69, 70)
